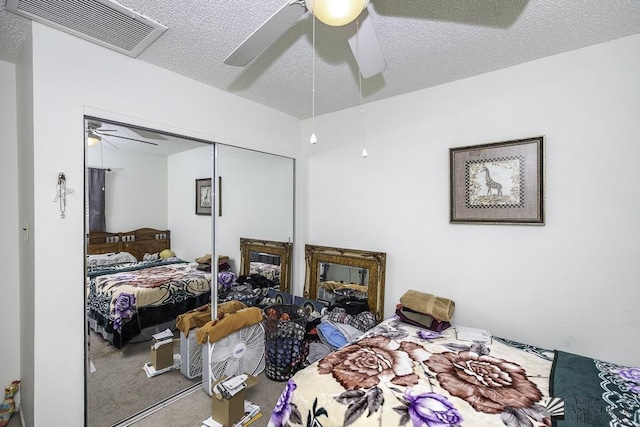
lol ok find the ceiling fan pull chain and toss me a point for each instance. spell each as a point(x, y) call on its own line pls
point(364, 146)
point(313, 139)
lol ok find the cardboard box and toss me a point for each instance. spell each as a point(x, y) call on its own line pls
point(162, 350)
point(229, 411)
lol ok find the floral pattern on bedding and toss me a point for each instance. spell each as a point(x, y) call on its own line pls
point(621, 387)
point(124, 309)
point(116, 297)
point(397, 375)
point(373, 360)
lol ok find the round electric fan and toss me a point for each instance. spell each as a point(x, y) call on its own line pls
point(237, 353)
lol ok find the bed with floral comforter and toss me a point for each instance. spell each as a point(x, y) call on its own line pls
point(399, 375)
point(127, 299)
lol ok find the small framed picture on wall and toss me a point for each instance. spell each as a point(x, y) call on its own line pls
point(498, 183)
point(204, 196)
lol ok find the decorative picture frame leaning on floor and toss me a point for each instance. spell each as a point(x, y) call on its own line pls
point(498, 183)
point(204, 196)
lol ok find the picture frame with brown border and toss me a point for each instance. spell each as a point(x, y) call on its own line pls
point(498, 183)
point(204, 196)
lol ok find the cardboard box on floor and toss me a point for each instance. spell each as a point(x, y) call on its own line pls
point(162, 350)
point(229, 411)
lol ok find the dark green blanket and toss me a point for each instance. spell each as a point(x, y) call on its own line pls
point(595, 393)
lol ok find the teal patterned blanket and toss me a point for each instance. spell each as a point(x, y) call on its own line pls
point(595, 393)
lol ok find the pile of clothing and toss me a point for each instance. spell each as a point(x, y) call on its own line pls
point(336, 329)
point(254, 282)
point(425, 310)
point(231, 317)
point(352, 299)
point(251, 289)
point(204, 262)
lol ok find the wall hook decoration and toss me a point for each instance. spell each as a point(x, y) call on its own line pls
point(61, 193)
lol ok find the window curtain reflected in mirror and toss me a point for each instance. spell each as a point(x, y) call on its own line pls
point(96, 178)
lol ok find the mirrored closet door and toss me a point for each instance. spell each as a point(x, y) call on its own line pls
point(147, 207)
point(255, 200)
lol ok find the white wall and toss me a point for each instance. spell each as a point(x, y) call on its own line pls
point(571, 284)
point(135, 188)
point(121, 89)
point(257, 191)
point(9, 227)
point(157, 191)
point(252, 206)
point(26, 245)
point(191, 234)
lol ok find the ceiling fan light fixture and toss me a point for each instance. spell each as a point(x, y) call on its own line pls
point(336, 12)
point(93, 139)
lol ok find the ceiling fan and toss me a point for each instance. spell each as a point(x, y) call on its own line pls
point(97, 133)
point(363, 41)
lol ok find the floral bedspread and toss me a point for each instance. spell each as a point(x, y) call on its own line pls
point(399, 375)
point(117, 296)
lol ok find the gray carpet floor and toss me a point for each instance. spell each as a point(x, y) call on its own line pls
point(192, 409)
point(119, 388)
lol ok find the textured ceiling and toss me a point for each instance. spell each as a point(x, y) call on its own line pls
point(425, 43)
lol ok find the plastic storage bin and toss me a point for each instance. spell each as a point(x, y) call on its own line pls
point(286, 348)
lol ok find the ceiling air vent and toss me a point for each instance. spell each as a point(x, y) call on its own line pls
point(104, 22)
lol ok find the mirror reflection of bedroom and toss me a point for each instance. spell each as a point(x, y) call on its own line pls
point(337, 278)
point(146, 221)
point(140, 223)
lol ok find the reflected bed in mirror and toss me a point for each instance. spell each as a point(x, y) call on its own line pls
point(142, 177)
point(333, 272)
point(267, 258)
point(133, 299)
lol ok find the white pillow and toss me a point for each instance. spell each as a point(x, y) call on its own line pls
point(110, 259)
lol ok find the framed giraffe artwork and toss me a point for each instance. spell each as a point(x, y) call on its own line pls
point(498, 183)
point(204, 196)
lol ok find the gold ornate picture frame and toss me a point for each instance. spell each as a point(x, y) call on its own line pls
point(281, 249)
point(375, 262)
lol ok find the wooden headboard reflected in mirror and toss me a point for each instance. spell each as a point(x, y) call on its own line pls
point(351, 267)
point(136, 242)
point(268, 258)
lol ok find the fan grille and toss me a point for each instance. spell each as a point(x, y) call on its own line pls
point(190, 355)
point(221, 358)
point(104, 22)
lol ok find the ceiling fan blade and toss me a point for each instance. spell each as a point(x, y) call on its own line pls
point(147, 134)
point(91, 128)
point(267, 33)
point(125, 137)
point(365, 47)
